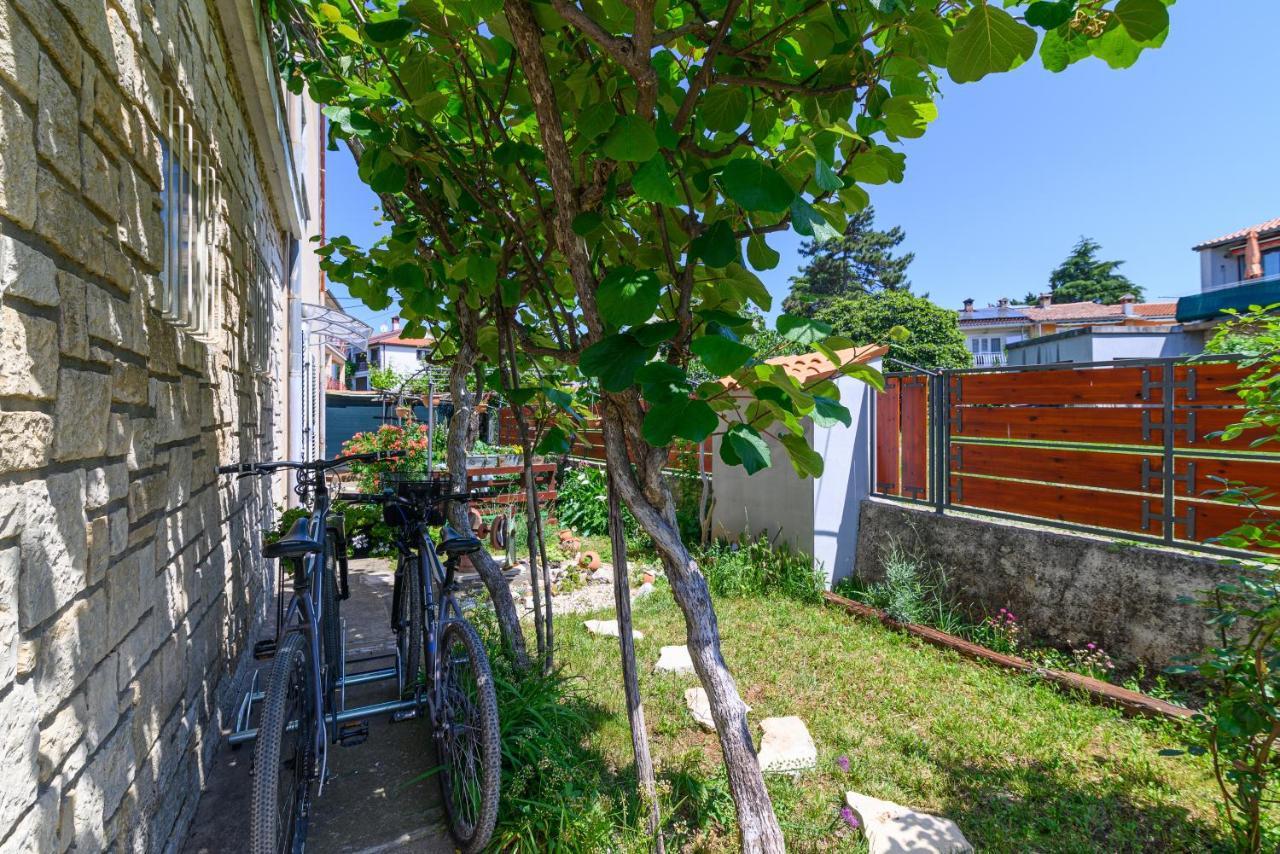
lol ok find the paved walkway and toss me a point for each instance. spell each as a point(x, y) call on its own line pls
point(376, 798)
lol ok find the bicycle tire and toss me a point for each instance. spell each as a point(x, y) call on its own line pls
point(330, 624)
point(466, 736)
point(287, 697)
point(409, 626)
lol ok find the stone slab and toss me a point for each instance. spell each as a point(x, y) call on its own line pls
point(695, 699)
point(786, 746)
point(608, 629)
point(894, 829)
point(674, 659)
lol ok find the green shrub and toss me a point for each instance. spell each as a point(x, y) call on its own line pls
point(758, 567)
point(583, 501)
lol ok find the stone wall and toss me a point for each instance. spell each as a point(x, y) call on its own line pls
point(1065, 589)
point(130, 578)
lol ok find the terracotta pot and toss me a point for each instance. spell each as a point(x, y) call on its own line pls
point(589, 560)
point(647, 578)
point(573, 545)
point(565, 534)
point(477, 521)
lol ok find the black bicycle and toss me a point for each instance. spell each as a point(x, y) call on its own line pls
point(443, 657)
point(293, 732)
point(303, 707)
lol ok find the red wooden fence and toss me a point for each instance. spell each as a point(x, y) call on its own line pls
point(1124, 448)
point(589, 441)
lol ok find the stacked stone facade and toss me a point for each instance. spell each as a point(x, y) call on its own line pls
point(130, 575)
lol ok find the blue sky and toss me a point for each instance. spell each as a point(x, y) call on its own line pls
point(1148, 161)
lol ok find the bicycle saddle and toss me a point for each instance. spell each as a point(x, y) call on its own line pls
point(456, 545)
point(296, 543)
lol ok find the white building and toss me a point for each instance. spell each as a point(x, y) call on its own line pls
point(389, 350)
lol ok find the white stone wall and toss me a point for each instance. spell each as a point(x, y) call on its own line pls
point(130, 578)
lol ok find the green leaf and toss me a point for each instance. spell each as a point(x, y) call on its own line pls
point(482, 270)
point(388, 32)
point(756, 186)
point(1048, 15)
point(554, 442)
point(1116, 47)
point(653, 334)
point(653, 183)
point(615, 359)
point(828, 412)
point(721, 355)
point(596, 119)
point(805, 460)
point(802, 330)
point(909, 116)
point(759, 253)
point(743, 445)
point(1058, 51)
point(685, 417)
point(586, 222)
point(988, 40)
point(717, 246)
point(661, 380)
point(631, 139)
point(825, 177)
point(724, 108)
point(628, 297)
point(809, 222)
point(407, 277)
point(1144, 20)
point(389, 176)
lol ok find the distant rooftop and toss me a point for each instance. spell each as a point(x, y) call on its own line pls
point(1023, 315)
point(1263, 229)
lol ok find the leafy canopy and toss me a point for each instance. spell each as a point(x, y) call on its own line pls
point(860, 261)
point(590, 190)
point(1082, 277)
point(917, 330)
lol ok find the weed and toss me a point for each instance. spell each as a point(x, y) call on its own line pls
point(758, 567)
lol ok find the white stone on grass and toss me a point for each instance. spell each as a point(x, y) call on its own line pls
point(787, 746)
point(608, 629)
point(642, 591)
point(700, 708)
point(603, 575)
point(894, 829)
point(674, 659)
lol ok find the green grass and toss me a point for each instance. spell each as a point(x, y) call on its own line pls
point(1018, 765)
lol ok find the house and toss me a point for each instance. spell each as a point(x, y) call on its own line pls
point(816, 516)
point(994, 331)
point(1236, 270)
point(155, 221)
point(390, 350)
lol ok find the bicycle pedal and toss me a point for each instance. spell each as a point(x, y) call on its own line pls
point(264, 649)
point(404, 715)
point(351, 734)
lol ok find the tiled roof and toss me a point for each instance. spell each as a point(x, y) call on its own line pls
point(393, 338)
point(1262, 228)
point(1094, 311)
point(811, 367)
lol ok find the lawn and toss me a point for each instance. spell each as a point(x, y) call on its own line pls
point(1018, 765)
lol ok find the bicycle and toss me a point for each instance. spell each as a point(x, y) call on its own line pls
point(456, 683)
point(303, 702)
point(298, 700)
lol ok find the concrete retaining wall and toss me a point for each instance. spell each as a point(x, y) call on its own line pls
point(1066, 589)
point(130, 576)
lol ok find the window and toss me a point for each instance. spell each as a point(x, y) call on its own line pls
point(1271, 262)
point(986, 344)
point(189, 202)
point(375, 354)
point(423, 354)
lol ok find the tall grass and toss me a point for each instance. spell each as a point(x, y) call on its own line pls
point(760, 567)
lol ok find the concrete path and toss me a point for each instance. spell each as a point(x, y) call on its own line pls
point(376, 798)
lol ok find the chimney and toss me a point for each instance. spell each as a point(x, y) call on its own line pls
point(1126, 304)
point(968, 306)
point(1002, 303)
point(395, 324)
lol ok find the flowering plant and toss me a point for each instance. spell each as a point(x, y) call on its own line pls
point(1002, 632)
point(411, 439)
point(1092, 660)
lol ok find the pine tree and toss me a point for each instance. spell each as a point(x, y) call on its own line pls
point(860, 262)
point(1083, 278)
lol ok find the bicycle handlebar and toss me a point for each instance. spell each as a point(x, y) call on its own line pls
point(246, 469)
point(389, 497)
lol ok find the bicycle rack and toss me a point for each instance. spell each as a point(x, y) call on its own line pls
point(243, 732)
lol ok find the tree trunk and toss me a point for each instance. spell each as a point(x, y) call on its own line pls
point(459, 428)
point(650, 499)
point(630, 676)
point(651, 503)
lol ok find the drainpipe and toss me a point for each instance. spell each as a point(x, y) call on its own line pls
point(297, 345)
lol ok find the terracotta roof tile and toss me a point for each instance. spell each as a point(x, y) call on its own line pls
point(810, 367)
point(393, 338)
point(1262, 228)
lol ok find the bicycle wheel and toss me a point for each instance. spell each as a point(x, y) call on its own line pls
point(409, 620)
point(283, 759)
point(330, 625)
point(467, 737)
